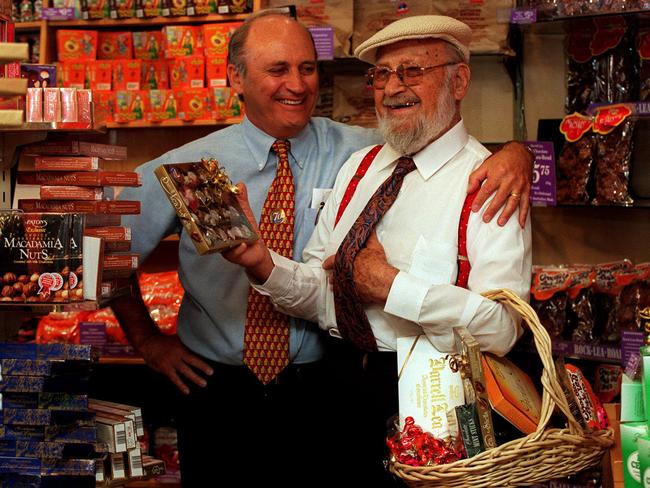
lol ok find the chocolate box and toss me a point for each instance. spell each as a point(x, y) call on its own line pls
point(206, 204)
point(34, 250)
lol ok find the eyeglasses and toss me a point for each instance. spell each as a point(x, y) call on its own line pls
point(409, 75)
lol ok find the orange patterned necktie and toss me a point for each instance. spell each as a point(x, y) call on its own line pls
point(266, 336)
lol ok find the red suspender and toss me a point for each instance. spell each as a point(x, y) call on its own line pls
point(463, 262)
point(352, 186)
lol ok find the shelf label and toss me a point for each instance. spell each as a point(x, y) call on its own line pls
point(57, 13)
point(602, 352)
point(543, 188)
point(324, 41)
point(523, 16)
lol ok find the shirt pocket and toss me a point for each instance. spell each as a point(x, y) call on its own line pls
point(434, 261)
point(309, 217)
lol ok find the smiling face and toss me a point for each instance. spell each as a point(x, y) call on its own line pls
point(410, 117)
point(280, 83)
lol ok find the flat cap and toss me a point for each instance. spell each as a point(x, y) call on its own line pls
point(417, 27)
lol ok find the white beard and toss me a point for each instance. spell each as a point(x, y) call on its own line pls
point(424, 130)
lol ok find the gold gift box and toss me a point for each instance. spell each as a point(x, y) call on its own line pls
point(205, 201)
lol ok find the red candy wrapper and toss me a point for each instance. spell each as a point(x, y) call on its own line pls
point(415, 447)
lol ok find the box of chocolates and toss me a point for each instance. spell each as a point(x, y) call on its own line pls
point(34, 254)
point(206, 204)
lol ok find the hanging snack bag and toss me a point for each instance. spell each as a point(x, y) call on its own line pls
point(549, 298)
point(580, 314)
point(607, 299)
point(576, 159)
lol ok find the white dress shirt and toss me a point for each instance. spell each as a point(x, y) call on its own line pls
point(419, 234)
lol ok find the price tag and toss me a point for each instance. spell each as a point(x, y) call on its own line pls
point(523, 16)
point(543, 189)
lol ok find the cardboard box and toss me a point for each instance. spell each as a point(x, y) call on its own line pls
point(75, 148)
point(428, 388)
point(182, 40)
point(163, 105)
point(76, 44)
point(80, 178)
point(114, 45)
point(100, 75)
point(66, 163)
point(154, 75)
point(221, 224)
point(195, 104)
point(71, 192)
point(512, 393)
point(130, 106)
point(632, 407)
point(120, 207)
point(147, 44)
point(113, 433)
point(630, 432)
point(127, 74)
point(187, 72)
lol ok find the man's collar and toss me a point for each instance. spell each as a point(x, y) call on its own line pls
point(259, 143)
point(434, 156)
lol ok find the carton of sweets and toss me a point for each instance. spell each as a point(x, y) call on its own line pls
point(205, 201)
point(79, 178)
point(474, 382)
point(75, 148)
point(428, 387)
point(34, 256)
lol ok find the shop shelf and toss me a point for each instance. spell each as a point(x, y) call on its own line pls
point(153, 21)
point(28, 26)
point(173, 123)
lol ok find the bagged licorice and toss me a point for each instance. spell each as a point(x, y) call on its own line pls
point(575, 160)
point(634, 296)
point(580, 313)
point(613, 156)
point(643, 52)
point(549, 298)
point(613, 49)
point(607, 299)
point(581, 67)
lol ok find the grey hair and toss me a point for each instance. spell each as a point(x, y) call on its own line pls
point(236, 45)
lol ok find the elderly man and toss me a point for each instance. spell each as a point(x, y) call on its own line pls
point(262, 423)
point(382, 262)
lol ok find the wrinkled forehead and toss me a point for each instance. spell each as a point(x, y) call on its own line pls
point(412, 50)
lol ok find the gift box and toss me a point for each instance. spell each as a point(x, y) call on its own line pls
point(154, 75)
point(205, 201)
point(195, 104)
point(126, 74)
point(147, 44)
point(114, 45)
point(182, 40)
point(428, 388)
point(163, 105)
point(76, 44)
point(187, 72)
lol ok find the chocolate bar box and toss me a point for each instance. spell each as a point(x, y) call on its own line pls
point(206, 204)
point(34, 253)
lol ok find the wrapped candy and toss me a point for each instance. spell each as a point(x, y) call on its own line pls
point(415, 447)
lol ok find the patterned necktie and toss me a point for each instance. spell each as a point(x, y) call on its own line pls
point(351, 318)
point(266, 336)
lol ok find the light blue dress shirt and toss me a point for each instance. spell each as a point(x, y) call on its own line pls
point(213, 312)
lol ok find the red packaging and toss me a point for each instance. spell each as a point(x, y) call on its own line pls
point(104, 101)
point(154, 75)
point(118, 207)
point(119, 265)
point(130, 106)
point(147, 45)
point(163, 105)
point(216, 38)
point(69, 108)
point(182, 40)
point(187, 72)
point(69, 192)
point(85, 111)
point(216, 72)
point(73, 74)
point(51, 105)
point(66, 163)
point(100, 75)
point(162, 293)
point(76, 44)
point(34, 105)
point(126, 74)
point(178, 7)
point(122, 9)
point(225, 103)
point(114, 45)
point(75, 147)
point(110, 233)
point(80, 178)
point(195, 104)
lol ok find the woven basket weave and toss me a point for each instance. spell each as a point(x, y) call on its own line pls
point(545, 454)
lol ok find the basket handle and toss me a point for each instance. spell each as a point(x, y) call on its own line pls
point(552, 394)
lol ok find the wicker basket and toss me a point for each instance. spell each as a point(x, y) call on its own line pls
point(545, 454)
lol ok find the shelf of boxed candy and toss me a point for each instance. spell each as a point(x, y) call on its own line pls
point(52, 433)
point(66, 248)
point(165, 78)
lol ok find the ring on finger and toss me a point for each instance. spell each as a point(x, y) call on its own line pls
point(515, 195)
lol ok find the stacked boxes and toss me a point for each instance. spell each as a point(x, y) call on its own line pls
point(120, 427)
point(48, 434)
point(72, 179)
point(178, 73)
